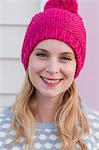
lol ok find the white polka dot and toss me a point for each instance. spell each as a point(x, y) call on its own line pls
point(8, 141)
point(97, 145)
point(37, 145)
point(0, 143)
point(90, 116)
point(95, 125)
point(48, 130)
point(12, 132)
point(8, 119)
point(96, 112)
point(53, 137)
point(42, 136)
point(48, 145)
point(2, 134)
point(93, 139)
point(15, 148)
point(6, 125)
point(97, 135)
point(58, 145)
point(85, 137)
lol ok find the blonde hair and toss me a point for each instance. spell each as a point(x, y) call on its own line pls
point(68, 118)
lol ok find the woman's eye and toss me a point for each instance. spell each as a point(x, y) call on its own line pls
point(42, 55)
point(65, 58)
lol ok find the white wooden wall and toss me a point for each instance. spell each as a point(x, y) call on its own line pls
point(14, 18)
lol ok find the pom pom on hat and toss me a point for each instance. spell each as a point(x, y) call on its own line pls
point(70, 5)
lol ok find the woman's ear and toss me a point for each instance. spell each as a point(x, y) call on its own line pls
point(27, 73)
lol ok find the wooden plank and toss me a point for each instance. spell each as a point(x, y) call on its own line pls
point(11, 76)
point(7, 100)
point(18, 12)
point(11, 39)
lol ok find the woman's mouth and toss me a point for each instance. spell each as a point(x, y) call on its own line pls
point(51, 81)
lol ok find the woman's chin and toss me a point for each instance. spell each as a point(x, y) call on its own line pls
point(51, 94)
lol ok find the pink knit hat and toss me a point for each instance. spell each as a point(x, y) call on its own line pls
point(59, 20)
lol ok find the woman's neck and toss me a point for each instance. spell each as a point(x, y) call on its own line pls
point(47, 108)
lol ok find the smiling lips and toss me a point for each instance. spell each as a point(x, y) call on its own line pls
point(51, 81)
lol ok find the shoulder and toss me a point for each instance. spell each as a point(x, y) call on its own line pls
point(93, 120)
point(5, 119)
point(92, 115)
point(5, 125)
point(5, 116)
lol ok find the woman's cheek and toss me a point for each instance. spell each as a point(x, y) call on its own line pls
point(37, 66)
point(69, 71)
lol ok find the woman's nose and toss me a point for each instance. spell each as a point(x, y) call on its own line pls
point(52, 67)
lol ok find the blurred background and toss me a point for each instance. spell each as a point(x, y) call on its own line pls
point(14, 18)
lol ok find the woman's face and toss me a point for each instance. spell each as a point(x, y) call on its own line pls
point(51, 67)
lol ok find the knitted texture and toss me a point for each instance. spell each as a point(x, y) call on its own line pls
point(57, 23)
point(70, 5)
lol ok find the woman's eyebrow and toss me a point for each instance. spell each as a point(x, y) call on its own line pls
point(42, 49)
point(67, 53)
point(62, 53)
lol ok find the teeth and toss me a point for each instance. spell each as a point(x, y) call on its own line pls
point(51, 81)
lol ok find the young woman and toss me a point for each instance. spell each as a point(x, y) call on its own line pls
point(48, 113)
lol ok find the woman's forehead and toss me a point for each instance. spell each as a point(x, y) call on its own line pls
point(53, 45)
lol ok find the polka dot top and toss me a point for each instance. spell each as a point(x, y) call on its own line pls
point(46, 134)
